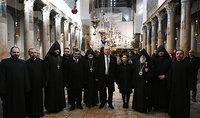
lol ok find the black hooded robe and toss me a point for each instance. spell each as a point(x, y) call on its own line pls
point(179, 103)
point(16, 80)
point(34, 99)
point(90, 89)
point(142, 98)
point(160, 90)
point(54, 89)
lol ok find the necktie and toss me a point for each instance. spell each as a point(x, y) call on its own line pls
point(76, 61)
point(107, 65)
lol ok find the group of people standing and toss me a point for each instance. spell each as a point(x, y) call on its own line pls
point(158, 82)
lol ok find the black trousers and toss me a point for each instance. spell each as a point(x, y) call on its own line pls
point(103, 93)
point(194, 92)
point(76, 97)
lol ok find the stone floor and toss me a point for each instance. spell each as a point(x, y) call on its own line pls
point(118, 112)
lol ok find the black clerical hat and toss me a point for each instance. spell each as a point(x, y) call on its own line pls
point(144, 52)
point(161, 48)
point(54, 47)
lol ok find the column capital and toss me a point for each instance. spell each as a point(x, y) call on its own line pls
point(154, 21)
point(148, 26)
point(72, 26)
point(144, 28)
point(185, 1)
point(66, 23)
point(58, 17)
point(46, 9)
point(160, 16)
point(29, 2)
point(170, 7)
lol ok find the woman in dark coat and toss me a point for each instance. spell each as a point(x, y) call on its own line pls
point(90, 89)
point(124, 80)
point(142, 80)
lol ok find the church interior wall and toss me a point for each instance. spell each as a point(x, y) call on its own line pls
point(138, 16)
point(10, 23)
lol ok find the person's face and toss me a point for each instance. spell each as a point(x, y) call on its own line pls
point(57, 51)
point(191, 53)
point(32, 53)
point(142, 56)
point(161, 53)
point(106, 50)
point(124, 58)
point(76, 54)
point(135, 51)
point(66, 52)
point(155, 51)
point(179, 55)
point(15, 53)
point(130, 54)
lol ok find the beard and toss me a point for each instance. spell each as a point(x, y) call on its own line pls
point(90, 57)
point(142, 60)
point(15, 57)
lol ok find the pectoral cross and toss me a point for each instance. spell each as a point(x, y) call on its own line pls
point(146, 63)
point(91, 69)
point(58, 66)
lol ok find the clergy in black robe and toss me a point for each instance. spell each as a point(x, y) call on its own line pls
point(54, 89)
point(34, 98)
point(106, 65)
point(124, 79)
point(90, 89)
point(76, 78)
point(16, 80)
point(194, 63)
point(142, 83)
point(162, 63)
point(179, 103)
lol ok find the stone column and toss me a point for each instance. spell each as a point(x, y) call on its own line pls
point(29, 26)
point(193, 37)
point(153, 35)
point(185, 33)
point(46, 30)
point(149, 38)
point(144, 29)
point(66, 31)
point(161, 32)
point(78, 37)
point(58, 27)
point(3, 32)
point(170, 7)
point(72, 27)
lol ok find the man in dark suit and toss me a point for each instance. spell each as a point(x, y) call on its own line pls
point(105, 75)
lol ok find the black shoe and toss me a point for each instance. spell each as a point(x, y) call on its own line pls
point(124, 106)
point(194, 100)
point(80, 107)
point(93, 105)
point(72, 108)
point(88, 105)
point(101, 106)
point(111, 106)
